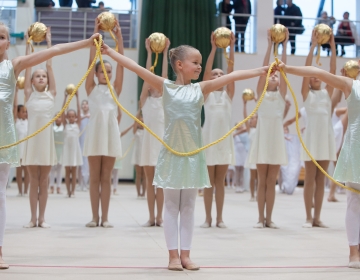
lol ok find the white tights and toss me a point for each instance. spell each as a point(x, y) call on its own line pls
point(352, 219)
point(55, 172)
point(4, 174)
point(183, 202)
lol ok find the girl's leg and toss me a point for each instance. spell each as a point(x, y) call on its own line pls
point(138, 179)
point(4, 174)
point(43, 194)
point(310, 173)
point(262, 170)
point(352, 221)
point(34, 193)
point(67, 180)
point(253, 178)
point(143, 182)
point(58, 178)
point(333, 186)
point(19, 179)
point(115, 180)
point(159, 206)
point(220, 173)
point(273, 171)
point(171, 213)
point(208, 197)
point(95, 172)
point(107, 165)
point(319, 193)
point(149, 173)
point(187, 210)
point(52, 179)
point(239, 177)
point(73, 179)
point(26, 179)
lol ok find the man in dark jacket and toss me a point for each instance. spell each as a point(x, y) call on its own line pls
point(279, 11)
point(241, 7)
point(293, 24)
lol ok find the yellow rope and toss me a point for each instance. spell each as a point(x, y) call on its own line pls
point(128, 149)
point(301, 140)
point(229, 61)
point(29, 42)
point(113, 36)
point(152, 68)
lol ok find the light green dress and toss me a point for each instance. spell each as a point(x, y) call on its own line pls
point(7, 124)
point(182, 110)
point(348, 165)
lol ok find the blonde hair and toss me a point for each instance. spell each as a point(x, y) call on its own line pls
point(6, 28)
point(178, 53)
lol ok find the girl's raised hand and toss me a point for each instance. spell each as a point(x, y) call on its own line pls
point(232, 39)
point(212, 40)
point(167, 45)
point(117, 29)
point(314, 38)
point(48, 35)
point(332, 40)
point(105, 49)
point(269, 37)
point(95, 36)
point(97, 24)
point(286, 37)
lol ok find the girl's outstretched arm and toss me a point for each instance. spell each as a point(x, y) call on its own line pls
point(22, 62)
point(165, 65)
point(230, 88)
point(212, 85)
point(124, 132)
point(262, 80)
point(291, 121)
point(283, 85)
point(118, 83)
point(152, 79)
point(335, 98)
point(49, 69)
point(210, 60)
point(342, 83)
point(145, 88)
point(305, 87)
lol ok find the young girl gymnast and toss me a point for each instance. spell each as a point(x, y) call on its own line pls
point(180, 177)
point(102, 142)
point(9, 71)
point(21, 125)
point(55, 176)
point(347, 167)
point(320, 142)
point(217, 106)
point(151, 102)
point(72, 157)
point(83, 170)
point(140, 182)
point(268, 147)
point(241, 147)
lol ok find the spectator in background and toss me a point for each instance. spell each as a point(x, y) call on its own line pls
point(346, 34)
point(293, 24)
point(225, 7)
point(65, 3)
point(330, 21)
point(85, 3)
point(44, 4)
point(241, 7)
point(101, 5)
point(278, 11)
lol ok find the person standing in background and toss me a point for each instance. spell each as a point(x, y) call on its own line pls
point(241, 7)
point(225, 7)
point(293, 24)
point(65, 3)
point(278, 11)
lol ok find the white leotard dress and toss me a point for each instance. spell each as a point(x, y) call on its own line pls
point(21, 132)
point(251, 140)
point(217, 123)
point(102, 134)
point(153, 114)
point(138, 138)
point(59, 141)
point(268, 145)
point(71, 152)
point(241, 144)
point(319, 133)
point(40, 150)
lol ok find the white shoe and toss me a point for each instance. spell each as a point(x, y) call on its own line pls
point(44, 225)
point(221, 225)
point(205, 225)
point(354, 265)
point(259, 225)
point(307, 225)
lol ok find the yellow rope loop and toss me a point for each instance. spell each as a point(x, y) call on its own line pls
point(29, 42)
point(276, 48)
point(113, 36)
point(152, 68)
point(301, 140)
point(128, 149)
point(318, 55)
point(229, 61)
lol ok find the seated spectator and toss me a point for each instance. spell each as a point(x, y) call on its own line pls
point(44, 4)
point(346, 34)
point(330, 21)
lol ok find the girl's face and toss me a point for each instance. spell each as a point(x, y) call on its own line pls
point(85, 106)
point(274, 81)
point(22, 114)
point(100, 73)
point(40, 80)
point(4, 40)
point(58, 121)
point(315, 83)
point(191, 66)
point(216, 73)
point(71, 116)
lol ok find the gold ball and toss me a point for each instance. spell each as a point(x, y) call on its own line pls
point(222, 37)
point(278, 33)
point(21, 82)
point(248, 94)
point(107, 21)
point(70, 88)
point(157, 42)
point(352, 69)
point(38, 32)
point(323, 33)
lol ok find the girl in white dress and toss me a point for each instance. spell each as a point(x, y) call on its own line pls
point(217, 107)
point(268, 150)
point(21, 125)
point(241, 147)
point(251, 129)
point(83, 170)
point(318, 136)
point(9, 71)
point(151, 105)
point(102, 142)
point(55, 173)
point(72, 157)
point(140, 183)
